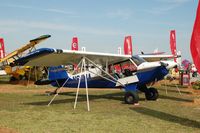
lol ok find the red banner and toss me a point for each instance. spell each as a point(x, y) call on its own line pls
point(128, 45)
point(195, 40)
point(74, 43)
point(173, 42)
point(2, 48)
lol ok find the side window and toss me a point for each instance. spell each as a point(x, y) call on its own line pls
point(115, 68)
point(123, 69)
point(128, 65)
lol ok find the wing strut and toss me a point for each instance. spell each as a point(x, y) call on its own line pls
point(113, 79)
point(82, 64)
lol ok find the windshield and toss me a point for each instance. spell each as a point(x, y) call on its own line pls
point(138, 60)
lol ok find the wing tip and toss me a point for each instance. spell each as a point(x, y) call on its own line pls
point(40, 38)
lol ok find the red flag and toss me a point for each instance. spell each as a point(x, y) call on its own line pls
point(173, 43)
point(74, 43)
point(195, 40)
point(2, 48)
point(128, 45)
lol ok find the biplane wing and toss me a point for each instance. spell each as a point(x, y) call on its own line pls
point(55, 57)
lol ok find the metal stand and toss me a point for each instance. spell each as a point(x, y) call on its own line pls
point(58, 90)
point(86, 85)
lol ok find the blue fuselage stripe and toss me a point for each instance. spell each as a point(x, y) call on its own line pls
point(144, 77)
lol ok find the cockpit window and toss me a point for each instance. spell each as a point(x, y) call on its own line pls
point(138, 60)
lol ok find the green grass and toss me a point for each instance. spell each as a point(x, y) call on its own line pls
point(28, 113)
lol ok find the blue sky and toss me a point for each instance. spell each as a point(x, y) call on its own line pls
point(100, 25)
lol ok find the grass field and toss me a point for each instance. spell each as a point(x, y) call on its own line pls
point(25, 110)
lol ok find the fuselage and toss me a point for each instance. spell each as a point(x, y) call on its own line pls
point(146, 72)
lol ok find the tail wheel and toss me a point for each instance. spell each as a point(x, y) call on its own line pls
point(131, 97)
point(151, 94)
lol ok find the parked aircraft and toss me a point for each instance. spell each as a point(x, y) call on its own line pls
point(6, 61)
point(175, 55)
point(97, 70)
point(156, 55)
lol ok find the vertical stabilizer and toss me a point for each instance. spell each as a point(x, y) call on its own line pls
point(74, 43)
point(128, 45)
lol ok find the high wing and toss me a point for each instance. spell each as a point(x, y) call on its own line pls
point(156, 57)
point(55, 57)
point(11, 57)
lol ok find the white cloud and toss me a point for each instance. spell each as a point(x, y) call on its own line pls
point(166, 6)
point(52, 10)
point(18, 25)
point(17, 6)
point(161, 10)
point(58, 11)
point(123, 14)
point(174, 1)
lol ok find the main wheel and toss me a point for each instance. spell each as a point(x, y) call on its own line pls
point(151, 94)
point(131, 97)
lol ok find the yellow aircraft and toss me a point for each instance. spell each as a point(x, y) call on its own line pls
point(8, 60)
point(16, 54)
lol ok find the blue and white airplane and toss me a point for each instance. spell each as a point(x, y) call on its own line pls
point(97, 70)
